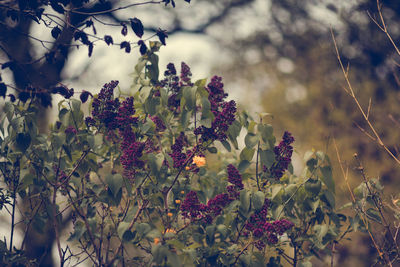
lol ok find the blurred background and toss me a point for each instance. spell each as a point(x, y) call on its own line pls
point(275, 56)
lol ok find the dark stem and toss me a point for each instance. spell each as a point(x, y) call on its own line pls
point(15, 182)
point(241, 252)
point(180, 170)
point(258, 151)
point(55, 225)
point(333, 252)
point(377, 202)
point(12, 220)
point(91, 236)
point(142, 207)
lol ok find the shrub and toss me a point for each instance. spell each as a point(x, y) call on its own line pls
point(158, 178)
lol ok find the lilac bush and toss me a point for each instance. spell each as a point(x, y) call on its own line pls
point(156, 177)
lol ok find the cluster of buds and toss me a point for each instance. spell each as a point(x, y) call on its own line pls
point(224, 113)
point(283, 156)
point(192, 208)
point(259, 226)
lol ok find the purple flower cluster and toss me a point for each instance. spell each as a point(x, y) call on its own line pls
point(177, 155)
point(160, 126)
point(186, 75)
point(281, 226)
point(216, 93)
point(125, 114)
point(171, 81)
point(260, 227)
point(235, 179)
point(105, 107)
point(234, 176)
point(61, 178)
point(259, 218)
point(191, 207)
point(109, 112)
point(71, 130)
point(283, 155)
point(216, 204)
point(150, 147)
point(224, 112)
point(194, 210)
point(132, 151)
point(174, 84)
point(222, 120)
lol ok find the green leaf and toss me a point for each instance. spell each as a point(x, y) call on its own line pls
point(308, 155)
point(122, 227)
point(185, 118)
point(205, 106)
point(145, 127)
point(201, 83)
point(244, 201)
point(305, 264)
point(266, 132)
point(226, 145)
point(360, 191)
point(234, 130)
point(58, 140)
point(153, 70)
point(189, 97)
point(114, 183)
point(247, 154)
point(321, 230)
point(128, 236)
point(276, 189)
point(155, 163)
point(374, 214)
point(212, 150)
point(145, 92)
point(320, 155)
point(173, 259)
point(151, 104)
point(257, 199)
point(243, 165)
point(143, 228)
point(140, 65)
point(327, 178)
point(23, 141)
point(311, 163)
point(277, 212)
point(267, 157)
point(76, 105)
point(329, 198)
point(207, 122)
point(176, 243)
point(251, 140)
point(27, 180)
point(79, 230)
point(223, 230)
point(210, 232)
point(9, 110)
point(159, 253)
point(67, 151)
point(313, 186)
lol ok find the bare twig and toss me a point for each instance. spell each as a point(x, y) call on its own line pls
point(353, 199)
point(360, 108)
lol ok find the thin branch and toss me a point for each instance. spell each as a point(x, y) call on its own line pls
point(345, 176)
point(351, 90)
point(241, 252)
point(383, 27)
point(113, 9)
